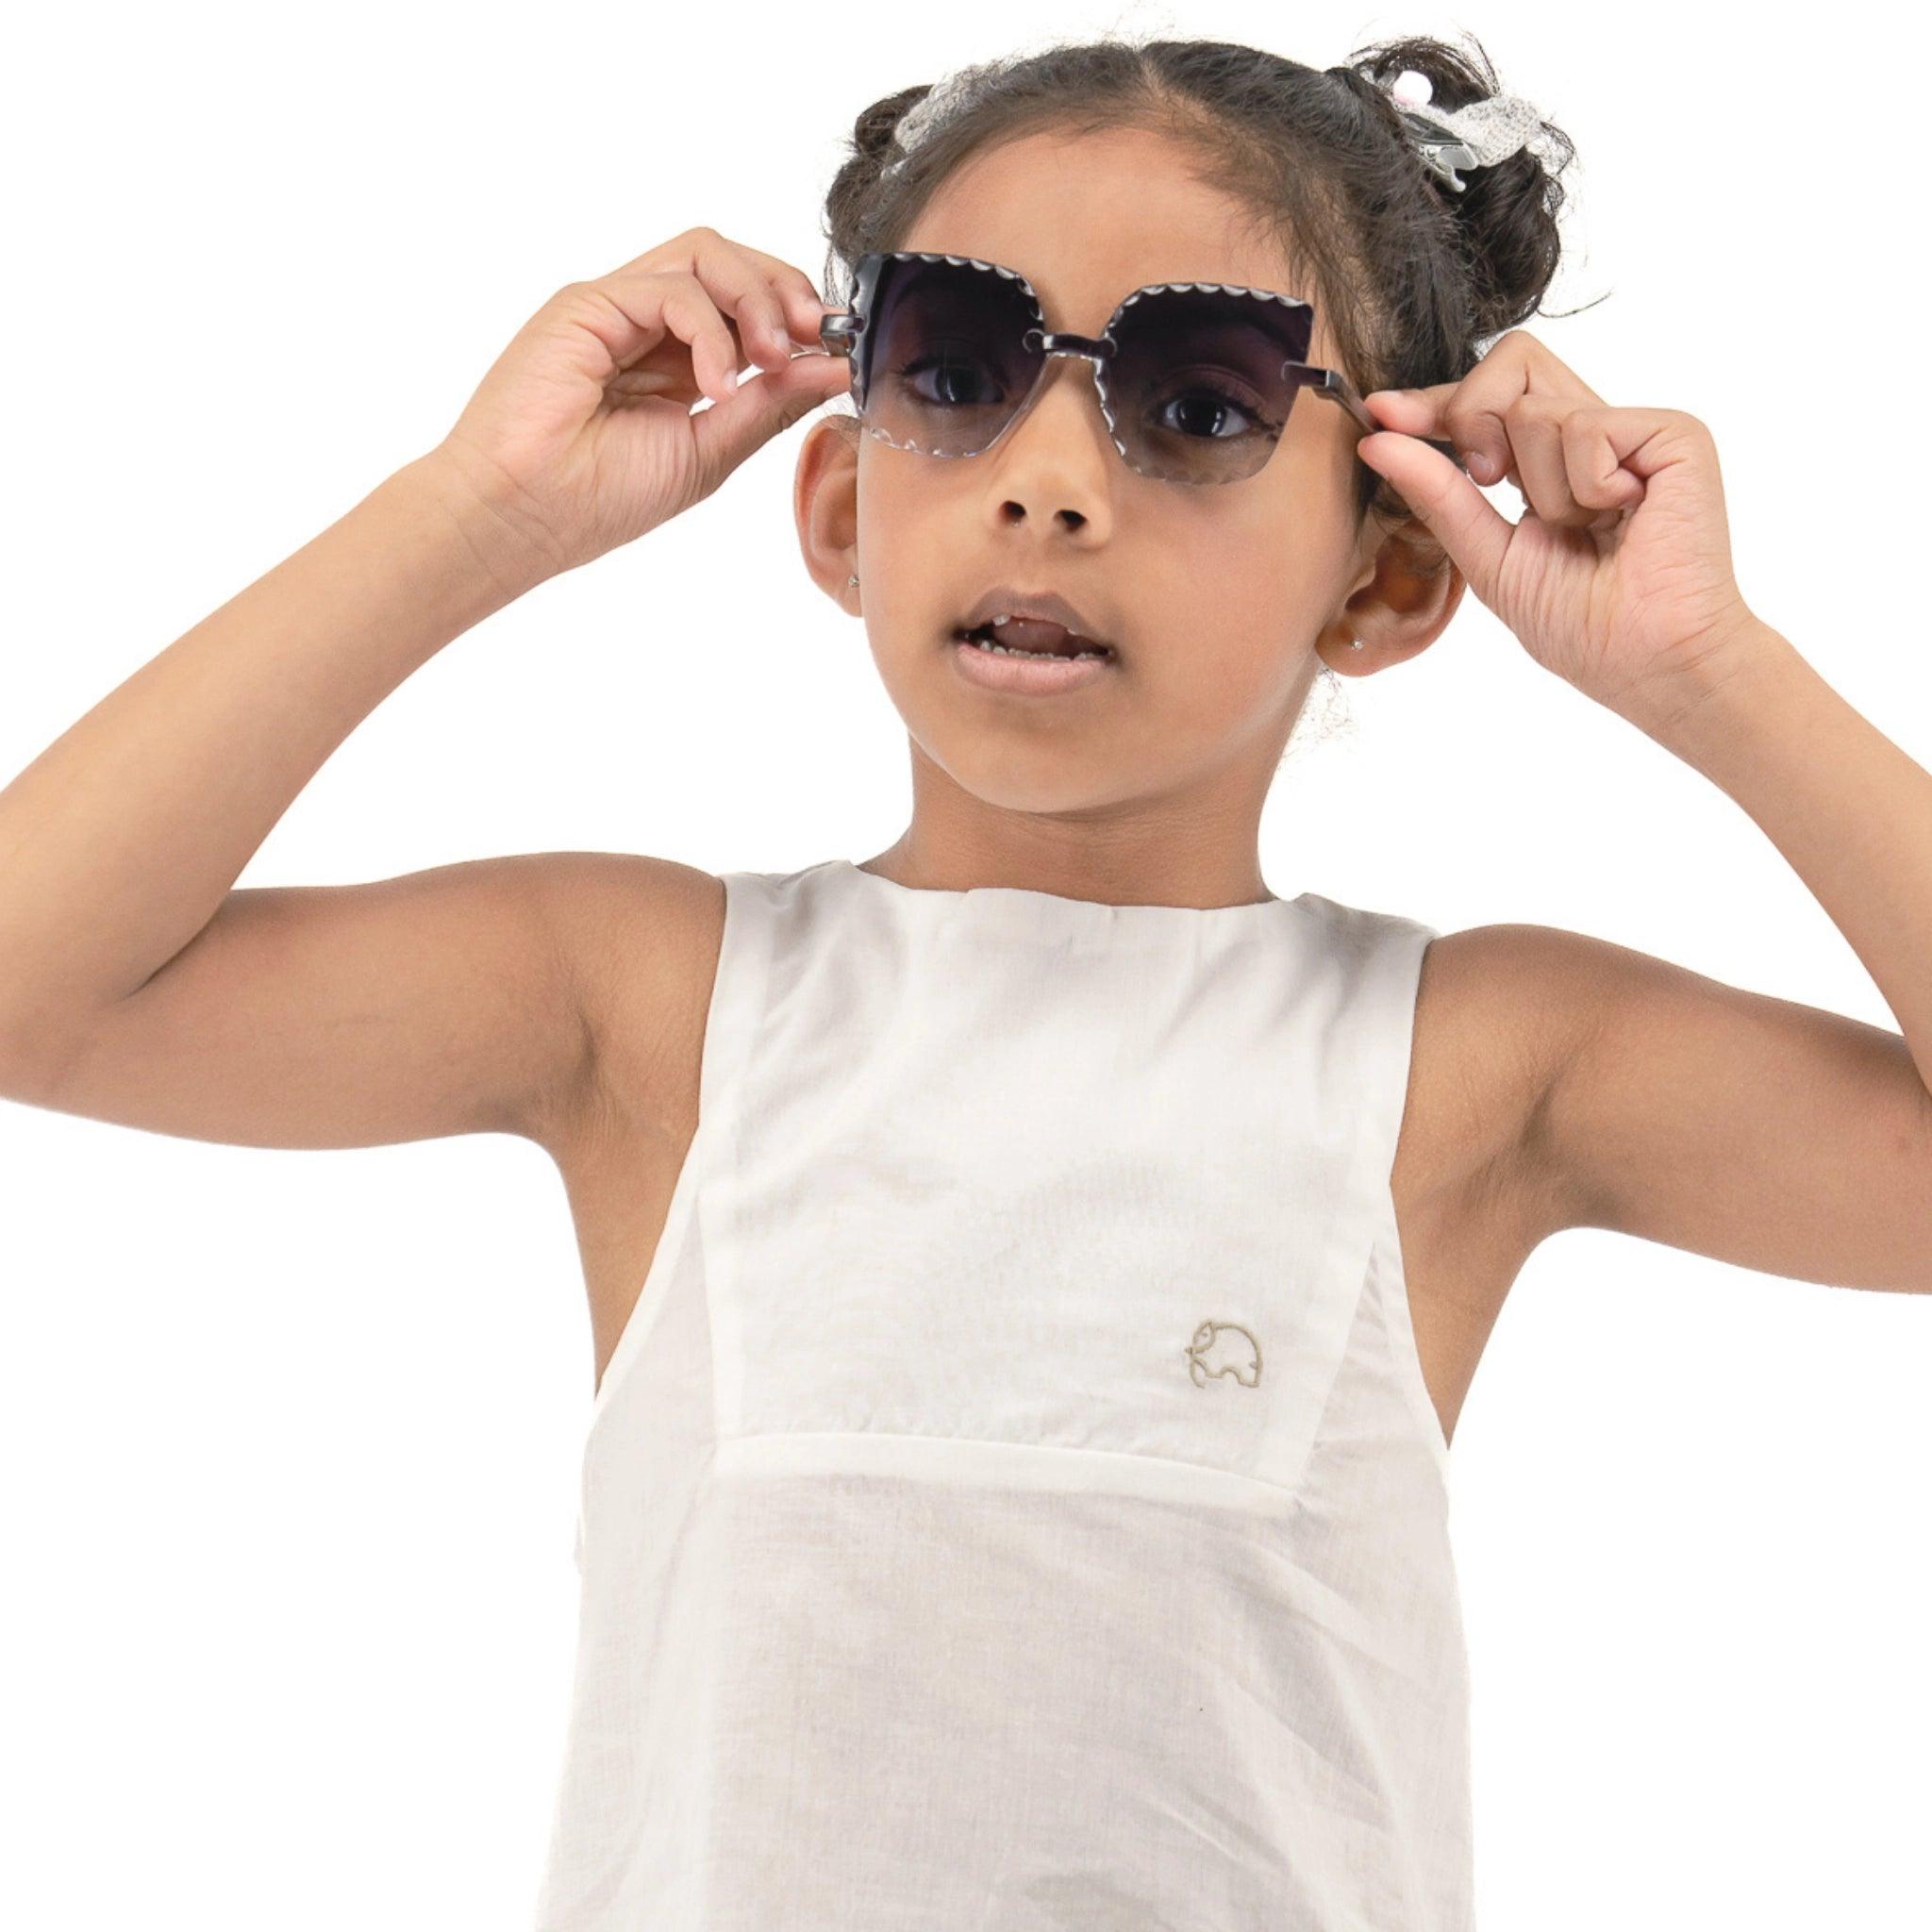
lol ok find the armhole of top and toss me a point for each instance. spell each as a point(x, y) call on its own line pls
point(1393, 977)
point(738, 995)
point(731, 1017)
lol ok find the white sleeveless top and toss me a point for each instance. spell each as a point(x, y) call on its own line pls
point(1014, 1503)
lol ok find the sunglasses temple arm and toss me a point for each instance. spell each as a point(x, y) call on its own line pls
point(1337, 387)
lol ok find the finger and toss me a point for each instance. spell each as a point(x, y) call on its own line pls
point(1534, 425)
point(729, 431)
point(1419, 412)
point(1447, 503)
point(741, 281)
point(737, 287)
point(799, 303)
point(1471, 412)
point(630, 312)
point(797, 296)
point(1476, 416)
point(803, 304)
point(1454, 411)
point(716, 353)
point(1595, 445)
point(1410, 410)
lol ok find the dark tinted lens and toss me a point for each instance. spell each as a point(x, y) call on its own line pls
point(945, 364)
point(1196, 389)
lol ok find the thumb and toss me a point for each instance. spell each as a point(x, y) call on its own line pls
point(727, 432)
point(1446, 502)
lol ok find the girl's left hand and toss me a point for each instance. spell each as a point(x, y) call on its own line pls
point(1619, 576)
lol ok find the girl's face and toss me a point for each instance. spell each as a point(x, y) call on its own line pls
point(1222, 602)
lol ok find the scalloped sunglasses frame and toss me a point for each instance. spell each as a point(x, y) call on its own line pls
point(844, 333)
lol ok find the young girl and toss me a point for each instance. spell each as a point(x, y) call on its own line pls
point(1035, 1273)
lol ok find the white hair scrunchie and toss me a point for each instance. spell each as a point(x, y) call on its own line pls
point(932, 107)
point(1477, 136)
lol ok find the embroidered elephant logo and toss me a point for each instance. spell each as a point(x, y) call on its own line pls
point(1208, 1354)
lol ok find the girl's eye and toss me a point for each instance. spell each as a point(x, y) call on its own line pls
point(957, 377)
point(1204, 406)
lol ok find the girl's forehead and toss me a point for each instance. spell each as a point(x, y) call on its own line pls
point(1084, 234)
point(1079, 289)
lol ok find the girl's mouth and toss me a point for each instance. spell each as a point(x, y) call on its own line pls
point(1027, 674)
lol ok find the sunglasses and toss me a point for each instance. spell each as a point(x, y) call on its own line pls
point(1196, 380)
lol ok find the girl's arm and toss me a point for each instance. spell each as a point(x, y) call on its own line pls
point(1752, 1129)
point(137, 985)
point(1660, 1102)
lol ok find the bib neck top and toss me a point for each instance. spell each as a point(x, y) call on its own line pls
point(1014, 1503)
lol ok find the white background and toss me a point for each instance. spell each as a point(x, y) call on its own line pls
point(290, 1440)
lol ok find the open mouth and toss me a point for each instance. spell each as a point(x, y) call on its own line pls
point(1051, 643)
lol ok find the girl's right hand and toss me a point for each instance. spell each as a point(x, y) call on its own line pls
point(582, 435)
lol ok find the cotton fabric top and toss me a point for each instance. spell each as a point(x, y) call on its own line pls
point(1014, 1503)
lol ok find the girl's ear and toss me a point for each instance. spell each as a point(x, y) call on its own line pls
point(1420, 549)
point(824, 504)
point(1410, 595)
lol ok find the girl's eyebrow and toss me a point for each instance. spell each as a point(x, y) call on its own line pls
point(1052, 309)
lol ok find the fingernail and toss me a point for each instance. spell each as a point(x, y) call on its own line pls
point(1484, 467)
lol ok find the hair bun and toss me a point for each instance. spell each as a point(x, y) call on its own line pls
point(1507, 211)
point(873, 133)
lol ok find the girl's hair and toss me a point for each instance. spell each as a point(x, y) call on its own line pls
point(1414, 281)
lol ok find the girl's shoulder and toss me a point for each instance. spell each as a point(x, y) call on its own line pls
point(1473, 1187)
point(643, 940)
point(1635, 1094)
point(1497, 1010)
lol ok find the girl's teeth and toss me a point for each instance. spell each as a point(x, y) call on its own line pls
point(1044, 657)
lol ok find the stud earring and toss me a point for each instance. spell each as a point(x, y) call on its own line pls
point(851, 580)
point(1354, 643)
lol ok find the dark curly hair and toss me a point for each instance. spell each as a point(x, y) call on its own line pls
point(1415, 280)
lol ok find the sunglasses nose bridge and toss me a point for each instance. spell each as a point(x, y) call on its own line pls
point(1094, 351)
